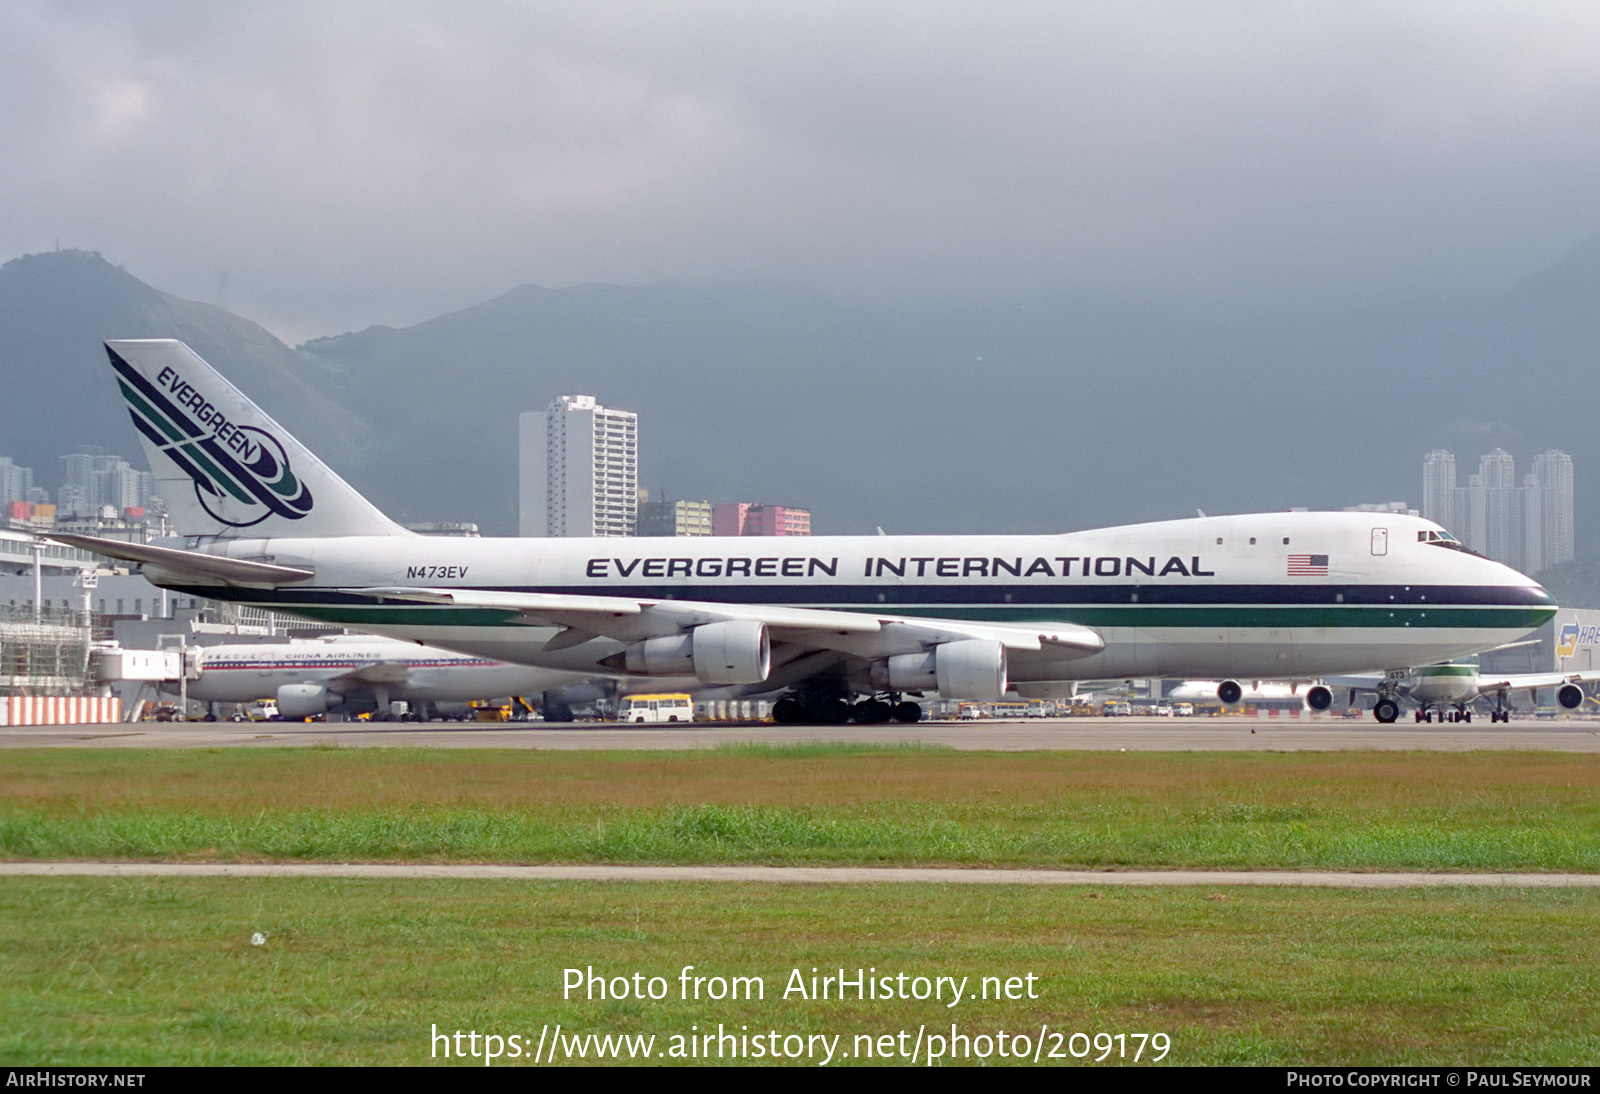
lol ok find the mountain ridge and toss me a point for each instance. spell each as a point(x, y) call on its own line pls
point(1038, 414)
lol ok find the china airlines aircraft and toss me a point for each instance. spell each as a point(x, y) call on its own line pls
point(350, 673)
point(838, 626)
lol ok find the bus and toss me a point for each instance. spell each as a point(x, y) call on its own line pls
point(678, 707)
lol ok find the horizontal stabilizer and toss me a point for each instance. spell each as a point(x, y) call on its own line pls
point(173, 561)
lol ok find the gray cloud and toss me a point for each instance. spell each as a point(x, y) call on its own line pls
point(383, 162)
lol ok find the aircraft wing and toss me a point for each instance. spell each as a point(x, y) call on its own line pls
point(1361, 681)
point(1529, 681)
point(376, 672)
point(629, 619)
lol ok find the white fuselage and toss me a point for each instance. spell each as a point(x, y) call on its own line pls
point(1205, 691)
point(1271, 596)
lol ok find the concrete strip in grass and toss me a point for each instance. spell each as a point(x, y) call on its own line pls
point(805, 875)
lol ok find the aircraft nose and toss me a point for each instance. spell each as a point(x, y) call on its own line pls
point(1520, 591)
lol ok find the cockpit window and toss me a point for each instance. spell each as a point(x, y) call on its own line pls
point(1439, 538)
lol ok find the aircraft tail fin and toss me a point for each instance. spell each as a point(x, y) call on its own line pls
point(222, 465)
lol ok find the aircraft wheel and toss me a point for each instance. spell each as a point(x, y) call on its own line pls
point(872, 712)
point(1386, 710)
point(829, 712)
point(1466, 716)
point(908, 712)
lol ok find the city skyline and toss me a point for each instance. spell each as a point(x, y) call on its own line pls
point(1527, 523)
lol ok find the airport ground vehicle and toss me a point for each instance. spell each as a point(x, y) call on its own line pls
point(659, 707)
point(259, 710)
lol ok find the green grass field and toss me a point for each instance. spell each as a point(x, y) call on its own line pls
point(125, 972)
point(132, 972)
point(822, 804)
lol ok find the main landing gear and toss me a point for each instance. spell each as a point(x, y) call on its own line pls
point(1460, 714)
point(819, 710)
point(1500, 713)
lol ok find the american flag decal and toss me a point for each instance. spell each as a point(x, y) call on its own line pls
point(1308, 565)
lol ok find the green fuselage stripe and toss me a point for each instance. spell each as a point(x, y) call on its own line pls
point(1090, 615)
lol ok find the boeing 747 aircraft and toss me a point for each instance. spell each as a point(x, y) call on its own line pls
point(839, 626)
point(1451, 687)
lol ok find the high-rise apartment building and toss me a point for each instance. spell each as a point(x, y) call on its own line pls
point(15, 481)
point(1439, 487)
point(1502, 527)
point(578, 470)
point(1552, 480)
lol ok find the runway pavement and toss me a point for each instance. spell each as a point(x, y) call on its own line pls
point(805, 875)
point(1227, 734)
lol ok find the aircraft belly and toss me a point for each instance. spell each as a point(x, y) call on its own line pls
point(1258, 653)
point(1445, 689)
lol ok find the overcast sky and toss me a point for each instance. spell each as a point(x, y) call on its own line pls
point(323, 166)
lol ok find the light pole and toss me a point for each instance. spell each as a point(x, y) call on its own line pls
point(38, 581)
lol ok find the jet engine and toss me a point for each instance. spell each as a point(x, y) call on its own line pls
point(973, 668)
point(1319, 697)
point(297, 701)
point(1570, 696)
point(1229, 692)
point(736, 651)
